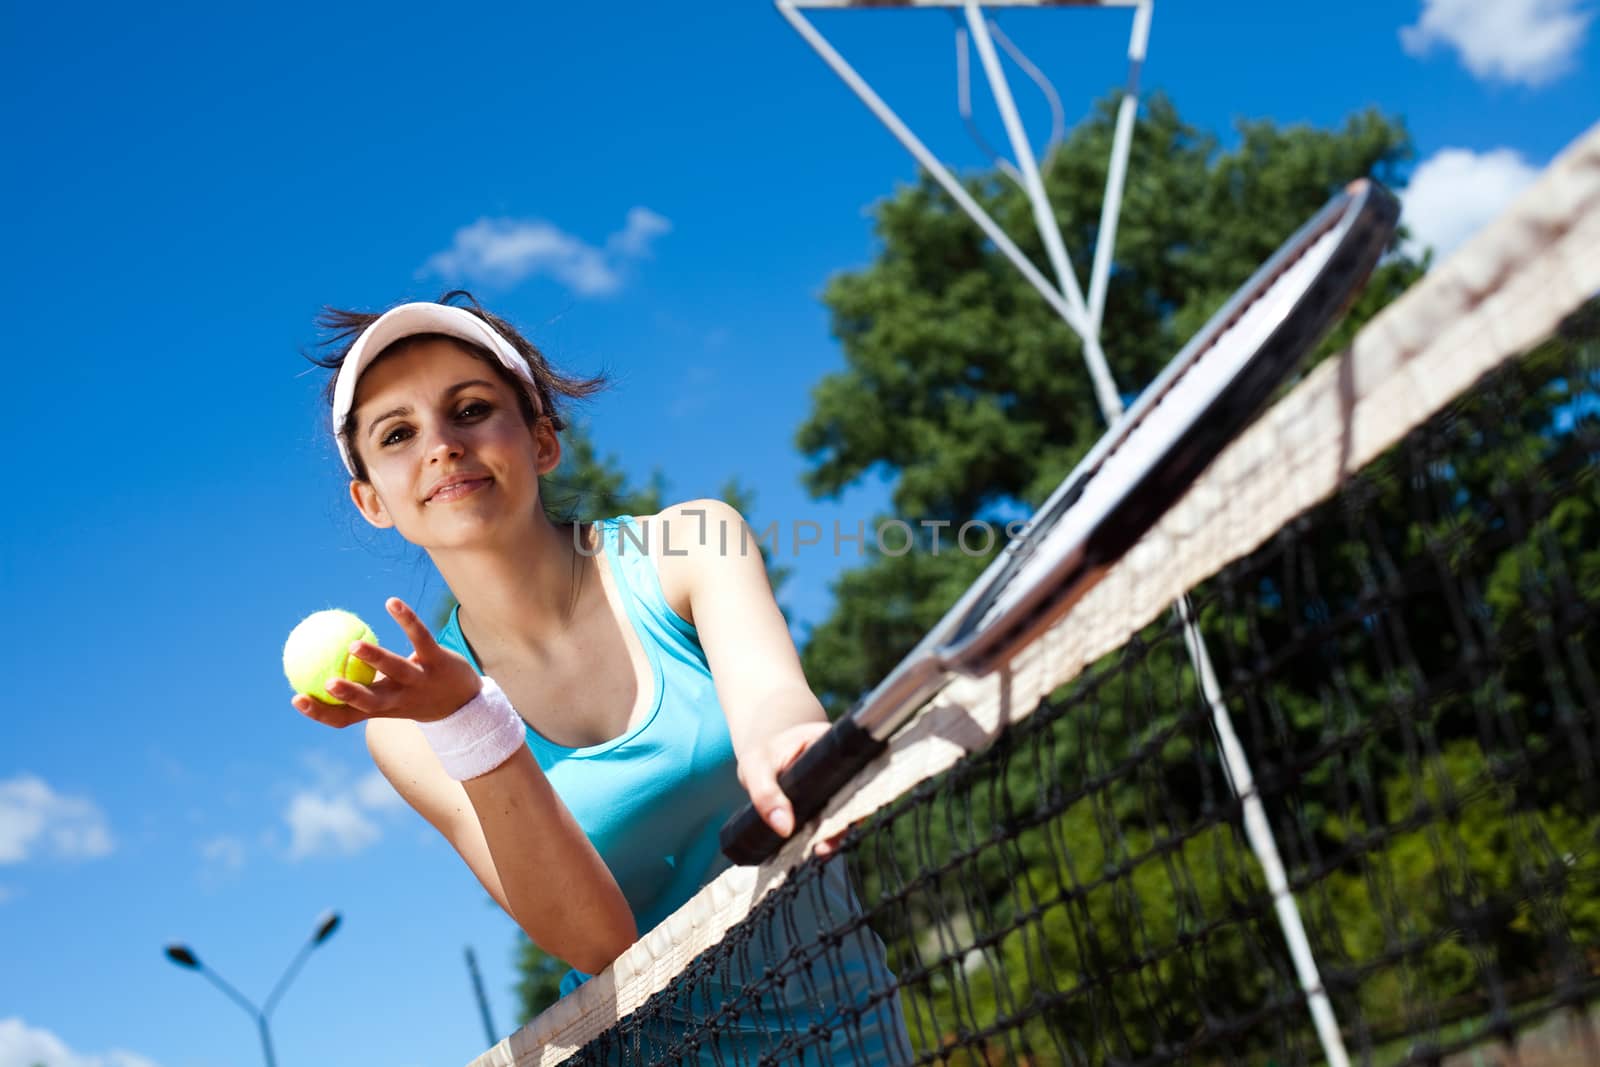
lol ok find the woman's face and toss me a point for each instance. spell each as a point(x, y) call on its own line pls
point(447, 452)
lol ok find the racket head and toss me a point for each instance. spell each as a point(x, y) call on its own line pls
point(1199, 403)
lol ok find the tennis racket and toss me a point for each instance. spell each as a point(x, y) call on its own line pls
point(1142, 466)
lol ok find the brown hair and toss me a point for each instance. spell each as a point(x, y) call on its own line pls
point(550, 385)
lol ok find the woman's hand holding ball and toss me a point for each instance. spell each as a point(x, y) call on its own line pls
point(371, 682)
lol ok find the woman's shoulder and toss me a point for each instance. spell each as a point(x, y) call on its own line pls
point(691, 524)
point(685, 541)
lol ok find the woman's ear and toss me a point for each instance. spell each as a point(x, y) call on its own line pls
point(547, 447)
point(370, 505)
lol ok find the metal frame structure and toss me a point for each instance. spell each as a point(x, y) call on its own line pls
point(1084, 317)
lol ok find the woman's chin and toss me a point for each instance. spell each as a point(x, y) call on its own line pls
point(464, 527)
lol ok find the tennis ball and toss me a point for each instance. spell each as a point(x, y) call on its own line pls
point(318, 650)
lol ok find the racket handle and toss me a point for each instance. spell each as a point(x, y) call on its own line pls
point(809, 783)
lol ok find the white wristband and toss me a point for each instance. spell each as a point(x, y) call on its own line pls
point(479, 735)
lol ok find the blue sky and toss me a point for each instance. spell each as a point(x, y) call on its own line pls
point(659, 190)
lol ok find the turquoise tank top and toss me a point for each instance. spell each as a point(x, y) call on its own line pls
point(654, 799)
point(653, 802)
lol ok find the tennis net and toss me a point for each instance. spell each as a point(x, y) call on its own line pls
point(1397, 573)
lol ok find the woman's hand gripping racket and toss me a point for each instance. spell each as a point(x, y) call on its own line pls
point(1143, 465)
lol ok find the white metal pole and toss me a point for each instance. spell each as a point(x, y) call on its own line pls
point(1076, 317)
point(1043, 216)
point(1111, 205)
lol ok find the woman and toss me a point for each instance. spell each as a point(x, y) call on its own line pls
point(583, 723)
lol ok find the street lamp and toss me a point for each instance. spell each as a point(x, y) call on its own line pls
point(184, 956)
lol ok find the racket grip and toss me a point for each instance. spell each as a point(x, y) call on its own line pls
point(809, 783)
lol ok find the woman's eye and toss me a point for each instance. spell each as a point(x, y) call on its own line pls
point(472, 410)
point(396, 435)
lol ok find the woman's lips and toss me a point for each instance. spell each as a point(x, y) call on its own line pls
point(457, 490)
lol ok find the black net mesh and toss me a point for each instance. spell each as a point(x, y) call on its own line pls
point(1412, 671)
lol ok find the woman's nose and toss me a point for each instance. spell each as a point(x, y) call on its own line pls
point(443, 443)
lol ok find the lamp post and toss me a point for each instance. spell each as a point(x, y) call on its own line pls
point(184, 956)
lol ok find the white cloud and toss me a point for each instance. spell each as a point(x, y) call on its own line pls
point(332, 817)
point(1527, 41)
point(503, 252)
point(35, 818)
point(643, 227)
point(24, 1046)
point(1455, 192)
point(320, 825)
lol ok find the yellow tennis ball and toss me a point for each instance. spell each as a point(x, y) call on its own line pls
point(318, 650)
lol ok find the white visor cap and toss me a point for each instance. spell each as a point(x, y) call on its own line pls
point(408, 320)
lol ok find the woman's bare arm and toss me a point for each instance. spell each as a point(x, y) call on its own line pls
point(772, 713)
point(509, 825)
